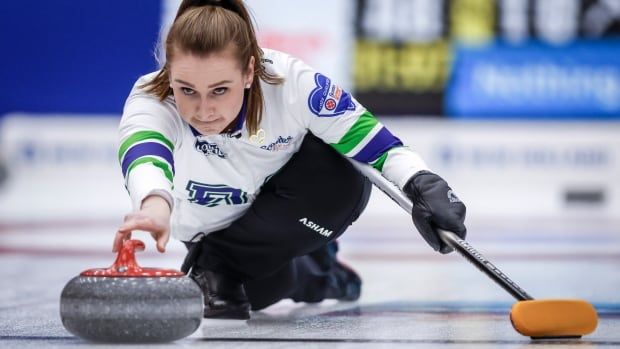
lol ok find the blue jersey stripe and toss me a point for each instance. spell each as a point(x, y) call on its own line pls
point(146, 149)
point(383, 141)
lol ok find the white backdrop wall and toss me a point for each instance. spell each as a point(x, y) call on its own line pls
point(68, 168)
point(523, 169)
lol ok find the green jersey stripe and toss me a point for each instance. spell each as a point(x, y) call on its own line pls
point(140, 136)
point(156, 162)
point(378, 164)
point(364, 142)
point(356, 133)
point(148, 140)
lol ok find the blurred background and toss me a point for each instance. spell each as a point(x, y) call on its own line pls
point(515, 102)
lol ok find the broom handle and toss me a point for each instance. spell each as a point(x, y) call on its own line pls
point(460, 245)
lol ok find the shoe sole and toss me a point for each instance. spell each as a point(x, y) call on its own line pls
point(232, 314)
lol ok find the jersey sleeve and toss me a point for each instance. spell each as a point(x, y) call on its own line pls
point(148, 136)
point(333, 115)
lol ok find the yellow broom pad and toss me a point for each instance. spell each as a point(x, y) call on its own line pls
point(554, 318)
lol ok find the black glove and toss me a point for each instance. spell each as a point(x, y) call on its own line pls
point(435, 206)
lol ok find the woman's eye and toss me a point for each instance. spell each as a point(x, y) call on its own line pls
point(220, 91)
point(187, 91)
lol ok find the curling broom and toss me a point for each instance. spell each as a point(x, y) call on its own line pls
point(541, 318)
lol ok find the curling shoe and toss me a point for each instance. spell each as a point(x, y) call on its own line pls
point(344, 284)
point(224, 297)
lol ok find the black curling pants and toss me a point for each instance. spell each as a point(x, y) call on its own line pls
point(281, 247)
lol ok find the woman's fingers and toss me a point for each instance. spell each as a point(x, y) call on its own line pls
point(162, 241)
point(120, 237)
point(136, 222)
point(139, 223)
point(124, 231)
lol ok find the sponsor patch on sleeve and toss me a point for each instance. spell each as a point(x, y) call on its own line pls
point(327, 99)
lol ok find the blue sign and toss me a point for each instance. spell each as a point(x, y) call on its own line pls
point(535, 80)
point(68, 56)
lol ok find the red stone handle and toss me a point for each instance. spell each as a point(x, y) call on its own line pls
point(125, 264)
point(126, 259)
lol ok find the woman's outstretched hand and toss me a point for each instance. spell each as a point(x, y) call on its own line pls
point(435, 206)
point(153, 216)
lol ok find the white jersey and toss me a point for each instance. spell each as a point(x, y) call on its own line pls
point(214, 179)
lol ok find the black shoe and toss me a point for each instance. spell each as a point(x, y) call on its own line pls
point(224, 298)
point(344, 283)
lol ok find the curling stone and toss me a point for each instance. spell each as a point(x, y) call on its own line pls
point(126, 303)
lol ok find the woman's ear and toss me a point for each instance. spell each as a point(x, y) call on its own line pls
point(249, 72)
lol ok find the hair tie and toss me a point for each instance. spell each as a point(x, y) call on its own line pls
point(217, 3)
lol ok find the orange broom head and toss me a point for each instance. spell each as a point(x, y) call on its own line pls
point(554, 318)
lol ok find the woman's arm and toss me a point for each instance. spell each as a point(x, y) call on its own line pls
point(335, 116)
point(148, 134)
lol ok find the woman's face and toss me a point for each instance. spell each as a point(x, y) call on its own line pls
point(209, 90)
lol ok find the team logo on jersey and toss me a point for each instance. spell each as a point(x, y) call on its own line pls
point(327, 99)
point(330, 104)
point(212, 195)
point(209, 149)
point(280, 144)
point(258, 137)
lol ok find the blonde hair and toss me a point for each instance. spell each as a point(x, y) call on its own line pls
point(203, 27)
